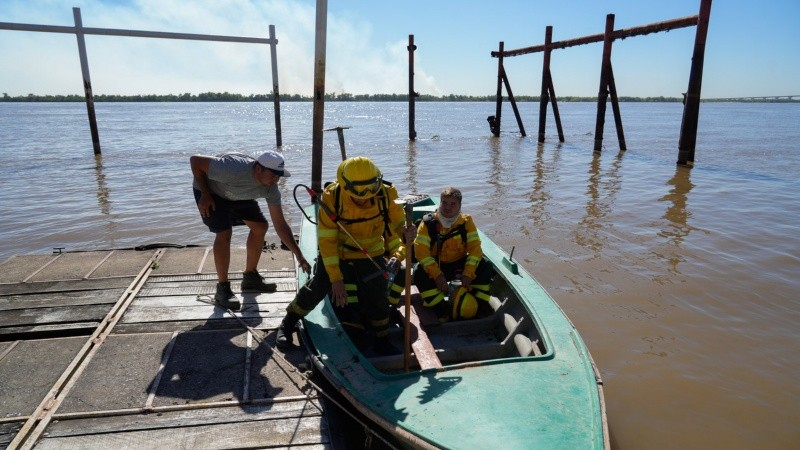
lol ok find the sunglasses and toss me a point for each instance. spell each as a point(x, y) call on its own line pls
point(363, 188)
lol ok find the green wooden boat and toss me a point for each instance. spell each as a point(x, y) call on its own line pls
point(521, 378)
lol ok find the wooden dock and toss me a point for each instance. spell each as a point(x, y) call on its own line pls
point(122, 349)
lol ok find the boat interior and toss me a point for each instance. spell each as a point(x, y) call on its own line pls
point(508, 332)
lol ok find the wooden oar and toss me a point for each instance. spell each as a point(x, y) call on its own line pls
point(409, 245)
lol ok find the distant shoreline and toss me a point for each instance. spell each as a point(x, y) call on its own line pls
point(334, 97)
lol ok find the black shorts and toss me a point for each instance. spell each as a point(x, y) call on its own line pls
point(230, 213)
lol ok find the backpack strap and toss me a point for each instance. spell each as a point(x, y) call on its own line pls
point(383, 208)
point(436, 238)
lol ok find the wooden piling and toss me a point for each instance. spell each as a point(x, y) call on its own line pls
point(612, 89)
point(544, 97)
point(556, 115)
point(691, 107)
point(87, 81)
point(513, 103)
point(494, 121)
point(548, 93)
point(607, 83)
point(412, 96)
point(607, 86)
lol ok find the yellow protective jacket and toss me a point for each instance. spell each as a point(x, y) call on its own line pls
point(451, 249)
point(336, 245)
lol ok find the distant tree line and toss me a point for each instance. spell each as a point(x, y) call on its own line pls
point(336, 97)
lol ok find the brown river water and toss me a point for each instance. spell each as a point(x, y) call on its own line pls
point(684, 283)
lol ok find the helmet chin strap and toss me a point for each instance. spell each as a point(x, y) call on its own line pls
point(448, 222)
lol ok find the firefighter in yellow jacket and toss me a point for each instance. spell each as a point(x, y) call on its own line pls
point(359, 221)
point(448, 249)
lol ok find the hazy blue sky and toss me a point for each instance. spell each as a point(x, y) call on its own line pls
point(753, 48)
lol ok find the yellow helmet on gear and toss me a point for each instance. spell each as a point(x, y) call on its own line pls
point(465, 305)
point(359, 177)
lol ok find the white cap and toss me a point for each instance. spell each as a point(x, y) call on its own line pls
point(273, 161)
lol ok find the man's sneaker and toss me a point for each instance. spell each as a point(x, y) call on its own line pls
point(225, 297)
point(254, 282)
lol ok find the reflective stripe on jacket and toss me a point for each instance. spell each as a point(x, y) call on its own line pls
point(453, 249)
point(334, 244)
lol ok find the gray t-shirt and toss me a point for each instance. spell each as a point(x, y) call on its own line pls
point(230, 176)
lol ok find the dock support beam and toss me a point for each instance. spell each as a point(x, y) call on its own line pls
point(691, 105)
point(412, 96)
point(87, 81)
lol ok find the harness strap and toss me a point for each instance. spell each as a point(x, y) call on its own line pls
point(438, 239)
point(383, 208)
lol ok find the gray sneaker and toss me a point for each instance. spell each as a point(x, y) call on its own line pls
point(225, 297)
point(254, 282)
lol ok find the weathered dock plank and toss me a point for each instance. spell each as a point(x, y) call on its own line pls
point(199, 377)
point(29, 369)
point(217, 428)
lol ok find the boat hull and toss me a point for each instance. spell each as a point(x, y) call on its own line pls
point(521, 378)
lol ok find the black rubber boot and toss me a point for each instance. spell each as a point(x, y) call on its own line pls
point(225, 298)
point(283, 339)
point(254, 282)
point(383, 347)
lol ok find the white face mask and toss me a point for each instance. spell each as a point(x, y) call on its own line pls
point(448, 222)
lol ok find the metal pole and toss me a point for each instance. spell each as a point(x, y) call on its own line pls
point(602, 94)
point(691, 108)
point(412, 132)
point(409, 210)
point(319, 95)
point(340, 134)
point(276, 96)
point(87, 82)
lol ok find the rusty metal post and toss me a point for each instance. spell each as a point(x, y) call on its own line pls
point(612, 87)
point(318, 116)
point(691, 107)
point(276, 96)
point(412, 132)
point(602, 94)
point(544, 97)
point(87, 81)
point(494, 121)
